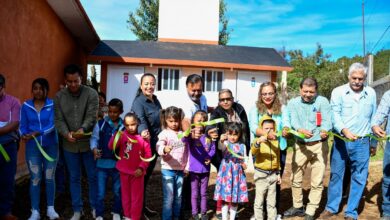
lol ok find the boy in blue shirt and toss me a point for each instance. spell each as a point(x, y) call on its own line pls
point(106, 160)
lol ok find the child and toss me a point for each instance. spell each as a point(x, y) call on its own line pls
point(174, 155)
point(201, 150)
point(106, 161)
point(267, 169)
point(132, 149)
point(231, 185)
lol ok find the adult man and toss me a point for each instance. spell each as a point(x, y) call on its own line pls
point(381, 114)
point(76, 109)
point(353, 107)
point(309, 115)
point(9, 124)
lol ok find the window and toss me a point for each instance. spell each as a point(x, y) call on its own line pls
point(168, 79)
point(212, 80)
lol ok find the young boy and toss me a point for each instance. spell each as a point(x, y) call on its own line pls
point(106, 160)
point(267, 169)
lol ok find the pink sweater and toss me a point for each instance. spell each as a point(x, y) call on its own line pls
point(134, 150)
point(177, 158)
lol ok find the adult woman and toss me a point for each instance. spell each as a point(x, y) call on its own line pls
point(232, 112)
point(37, 121)
point(269, 103)
point(147, 108)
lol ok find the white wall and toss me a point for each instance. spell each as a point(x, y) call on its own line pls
point(189, 19)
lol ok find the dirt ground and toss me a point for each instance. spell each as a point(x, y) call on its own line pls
point(369, 206)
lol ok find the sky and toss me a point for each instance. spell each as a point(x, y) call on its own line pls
point(293, 24)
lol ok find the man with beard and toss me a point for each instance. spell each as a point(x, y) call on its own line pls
point(309, 115)
point(353, 107)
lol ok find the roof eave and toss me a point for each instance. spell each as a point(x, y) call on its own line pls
point(192, 63)
point(76, 20)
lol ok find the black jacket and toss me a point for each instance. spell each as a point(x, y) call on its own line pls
point(219, 112)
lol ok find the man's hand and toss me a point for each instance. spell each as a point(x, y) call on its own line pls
point(167, 149)
point(349, 134)
point(285, 132)
point(138, 172)
point(323, 134)
point(145, 134)
point(378, 131)
point(305, 132)
point(96, 153)
point(372, 151)
point(70, 137)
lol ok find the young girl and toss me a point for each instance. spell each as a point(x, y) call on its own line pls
point(201, 150)
point(231, 185)
point(132, 149)
point(174, 155)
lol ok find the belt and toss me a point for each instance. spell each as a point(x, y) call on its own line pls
point(267, 171)
point(311, 143)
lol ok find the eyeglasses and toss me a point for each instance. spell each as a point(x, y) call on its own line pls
point(268, 94)
point(226, 100)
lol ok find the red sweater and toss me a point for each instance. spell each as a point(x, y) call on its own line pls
point(134, 150)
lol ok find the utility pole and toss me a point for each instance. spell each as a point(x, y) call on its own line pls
point(364, 35)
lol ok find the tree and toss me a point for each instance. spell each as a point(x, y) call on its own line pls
point(144, 21)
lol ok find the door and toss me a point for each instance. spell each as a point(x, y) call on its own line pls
point(123, 83)
point(248, 84)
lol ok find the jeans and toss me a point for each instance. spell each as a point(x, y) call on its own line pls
point(7, 173)
point(102, 177)
point(172, 181)
point(386, 181)
point(38, 166)
point(74, 162)
point(358, 155)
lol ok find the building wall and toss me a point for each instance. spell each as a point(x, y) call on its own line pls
point(34, 43)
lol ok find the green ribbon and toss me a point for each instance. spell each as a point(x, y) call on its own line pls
point(206, 123)
point(4, 153)
point(116, 138)
point(291, 131)
point(45, 155)
point(147, 159)
point(367, 135)
point(234, 154)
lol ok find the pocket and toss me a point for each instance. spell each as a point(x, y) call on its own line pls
point(347, 109)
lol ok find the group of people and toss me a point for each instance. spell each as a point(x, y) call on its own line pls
point(188, 139)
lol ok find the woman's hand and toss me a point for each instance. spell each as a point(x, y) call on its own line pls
point(145, 134)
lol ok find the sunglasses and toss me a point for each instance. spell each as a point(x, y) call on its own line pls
point(226, 100)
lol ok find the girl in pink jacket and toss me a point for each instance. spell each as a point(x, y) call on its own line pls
point(134, 152)
point(174, 156)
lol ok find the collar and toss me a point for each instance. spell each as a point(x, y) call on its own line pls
point(145, 99)
point(311, 102)
point(111, 123)
point(348, 90)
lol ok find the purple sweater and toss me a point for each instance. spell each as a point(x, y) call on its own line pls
point(199, 150)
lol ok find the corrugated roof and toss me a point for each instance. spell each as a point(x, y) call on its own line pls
point(193, 52)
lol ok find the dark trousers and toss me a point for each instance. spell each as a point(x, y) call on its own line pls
point(7, 174)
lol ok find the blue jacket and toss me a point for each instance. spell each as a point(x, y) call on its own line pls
point(31, 120)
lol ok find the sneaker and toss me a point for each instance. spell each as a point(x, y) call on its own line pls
point(327, 215)
point(116, 216)
point(51, 213)
point(309, 217)
point(278, 217)
point(253, 217)
point(34, 215)
point(195, 217)
point(99, 218)
point(76, 216)
point(219, 216)
point(149, 212)
point(385, 218)
point(93, 213)
point(292, 212)
point(204, 217)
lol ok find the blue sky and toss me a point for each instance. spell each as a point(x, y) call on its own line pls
point(295, 24)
